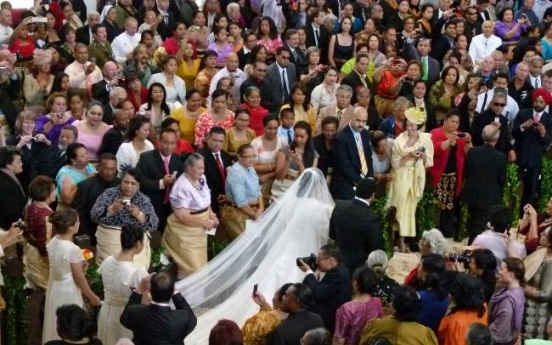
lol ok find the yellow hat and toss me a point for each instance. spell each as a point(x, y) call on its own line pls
point(415, 115)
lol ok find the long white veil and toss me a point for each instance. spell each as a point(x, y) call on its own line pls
point(265, 254)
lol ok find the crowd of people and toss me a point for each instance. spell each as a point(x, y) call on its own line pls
point(148, 117)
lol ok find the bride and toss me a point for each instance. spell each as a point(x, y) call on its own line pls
point(265, 254)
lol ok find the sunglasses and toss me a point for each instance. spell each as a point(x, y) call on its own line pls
point(502, 105)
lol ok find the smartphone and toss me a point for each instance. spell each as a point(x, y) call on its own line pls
point(255, 288)
point(39, 20)
point(174, 174)
point(3, 70)
point(497, 119)
point(461, 135)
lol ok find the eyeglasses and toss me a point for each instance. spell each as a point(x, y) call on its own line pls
point(496, 104)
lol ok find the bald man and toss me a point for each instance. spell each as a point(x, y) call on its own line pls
point(484, 44)
point(232, 70)
point(124, 44)
point(352, 156)
point(485, 178)
point(100, 90)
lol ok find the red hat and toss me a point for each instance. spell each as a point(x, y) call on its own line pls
point(545, 94)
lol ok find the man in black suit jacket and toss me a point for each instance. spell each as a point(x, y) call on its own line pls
point(53, 157)
point(356, 228)
point(533, 134)
point(357, 77)
point(90, 189)
point(298, 58)
point(167, 25)
point(157, 323)
point(257, 79)
point(297, 299)
point(9, 91)
point(160, 168)
point(349, 167)
point(116, 95)
point(484, 179)
point(84, 33)
point(113, 138)
point(317, 35)
point(216, 163)
point(420, 54)
point(334, 289)
point(249, 41)
point(281, 91)
point(101, 89)
point(12, 196)
point(443, 42)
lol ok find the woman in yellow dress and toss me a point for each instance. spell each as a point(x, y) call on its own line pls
point(188, 114)
point(301, 105)
point(411, 155)
point(238, 134)
point(188, 63)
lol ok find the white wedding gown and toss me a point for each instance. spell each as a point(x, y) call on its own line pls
point(265, 254)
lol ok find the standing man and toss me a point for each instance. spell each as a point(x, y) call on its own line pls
point(533, 134)
point(281, 75)
point(160, 168)
point(124, 44)
point(158, 323)
point(355, 227)
point(352, 156)
point(431, 68)
point(90, 189)
point(230, 70)
point(101, 89)
point(113, 138)
point(342, 109)
point(217, 162)
point(484, 180)
point(249, 41)
point(484, 44)
point(357, 78)
point(316, 32)
point(82, 73)
point(84, 33)
point(100, 48)
point(298, 58)
point(520, 88)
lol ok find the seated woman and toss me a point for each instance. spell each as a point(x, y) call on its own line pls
point(42, 192)
point(468, 303)
point(38, 85)
point(220, 46)
point(352, 316)
point(135, 144)
point(56, 117)
point(218, 115)
point(172, 44)
point(119, 272)
point(67, 267)
point(174, 86)
point(443, 92)
point(324, 94)
point(252, 105)
point(123, 205)
point(70, 18)
point(384, 285)
point(188, 114)
point(238, 134)
point(185, 237)
point(258, 328)
point(74, 326)
point(156, 108)
point(92, 129)
point(300, 103)
point(402, 327)
point(243, 194)
point(293, 159)
point(434, 299)
point(269, 37)
point(77, 169)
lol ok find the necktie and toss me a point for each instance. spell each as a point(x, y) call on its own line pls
point(339, 114)
point(316, 36)
point(363, 164)
point(166, 161)
point(424, 68)
point(294, 55)
point(536, 117)
point(537, 83)
point(289, 136)
point(166, 19)
point(285, 91)
point(220, 166)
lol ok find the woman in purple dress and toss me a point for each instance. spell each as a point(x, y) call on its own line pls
point(352, 316)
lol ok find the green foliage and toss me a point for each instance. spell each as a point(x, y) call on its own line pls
point(215, 246)
point(379, 206)
point(463, 226)
point(425, 212)
point(546, 183)
point(95, 280)
point(156, 256)
point(17, 322)
point(512, 197)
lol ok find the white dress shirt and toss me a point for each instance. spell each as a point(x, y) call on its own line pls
point(77, 77)
point(124, 44)
point(481, 47)
point(510, 111)
point(5, 34)
point(239, 78)
point(536, 82)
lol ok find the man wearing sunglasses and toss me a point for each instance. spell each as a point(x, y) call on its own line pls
point(494, 115)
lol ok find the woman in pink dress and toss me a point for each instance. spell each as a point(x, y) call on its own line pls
point(269, 37)
point(219, 115)
point(92, 129)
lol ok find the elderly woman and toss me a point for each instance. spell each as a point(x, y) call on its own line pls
point(402, 327)
point(76, 170)
point(432, 242)
point(243, 194)
point(35, 257)
point(38, 85)
point(384, 285)
point(450, 147)
point(56, 117)
point(119, 272)
point(185, 236)
point(388, 78)
point(123, 205)
point(92, 129)
point(135, 144)
point(412, 153)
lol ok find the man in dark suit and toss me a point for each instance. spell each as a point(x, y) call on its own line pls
point(84, 33)
point(116, 95)
point(157, 323)
point(282, 75)
point(484, 179)
point(90, 189)
point(249, 41)
point(431, 68)
point(298, 58)
point(350, 164)
point(216, 163)
point(101, 89)
point(533, 134)
point(113, 138)
point(9, 91)
point(167, 25)
point(160, 168)
point(317, 35)
point(53, 157)
point(12, 196)
point(357, 77)
point(443, 42)
point(334, 289)
point(297, 299)
point(355, 227)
